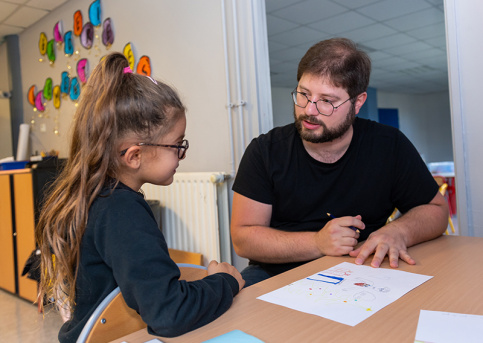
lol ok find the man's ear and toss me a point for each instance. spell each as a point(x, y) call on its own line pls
point(132, 157)
point(360, 100)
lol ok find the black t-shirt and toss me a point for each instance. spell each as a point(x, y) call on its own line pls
point(123, 246)
point(381, 170)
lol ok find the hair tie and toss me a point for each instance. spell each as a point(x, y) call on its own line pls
point(154, 81)
point(127, 70)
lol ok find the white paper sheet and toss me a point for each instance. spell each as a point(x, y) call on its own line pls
point(346, 293)
point(447, 327)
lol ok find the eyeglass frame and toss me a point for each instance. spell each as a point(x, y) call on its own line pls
point(181, 148)
point(294, 99)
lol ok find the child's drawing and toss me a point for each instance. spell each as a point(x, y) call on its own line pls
point(346, 293)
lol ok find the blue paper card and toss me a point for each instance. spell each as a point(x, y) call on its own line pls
point(235, 336)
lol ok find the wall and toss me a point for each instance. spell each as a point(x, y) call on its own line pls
point(5, 127)
point(426, 120)
point(185, 41)
point(282, 106)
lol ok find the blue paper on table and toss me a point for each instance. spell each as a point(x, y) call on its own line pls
point(235, 336)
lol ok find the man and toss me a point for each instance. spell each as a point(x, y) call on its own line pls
point(329, 161)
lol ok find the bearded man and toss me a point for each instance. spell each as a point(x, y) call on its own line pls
point(329, 161)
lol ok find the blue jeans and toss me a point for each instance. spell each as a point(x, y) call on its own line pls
point(253, 274)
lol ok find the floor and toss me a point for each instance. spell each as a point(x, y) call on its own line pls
point(20, 321)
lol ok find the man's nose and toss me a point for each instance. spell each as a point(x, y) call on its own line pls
point(311, 108)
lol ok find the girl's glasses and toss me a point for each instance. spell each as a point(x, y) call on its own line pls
point(181, 147)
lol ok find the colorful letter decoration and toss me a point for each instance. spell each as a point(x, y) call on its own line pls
point(74, 89)
point(51, 51)
point(39, 101)
point(127, 51)
point(107, 33)
point(48, 88)
point(78, 23)
point(83, 69)
point(87, 35)
point(56, 93)
point(95, 13)
point(69, 43)
point(43, 43)
point(59, 32)
point(144, 66)
point(65, 83)
point(31, 95)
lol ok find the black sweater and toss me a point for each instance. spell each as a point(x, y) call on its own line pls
point(123, 246)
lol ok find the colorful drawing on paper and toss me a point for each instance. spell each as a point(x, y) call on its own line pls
point(346, 293)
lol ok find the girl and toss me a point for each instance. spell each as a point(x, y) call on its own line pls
point(96, 231)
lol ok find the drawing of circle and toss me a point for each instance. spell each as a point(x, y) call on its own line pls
point(366, 296)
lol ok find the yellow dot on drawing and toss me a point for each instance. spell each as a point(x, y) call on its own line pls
point(345, 301)
point(369, 309)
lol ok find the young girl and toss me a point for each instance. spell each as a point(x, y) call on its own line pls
point(96, 231)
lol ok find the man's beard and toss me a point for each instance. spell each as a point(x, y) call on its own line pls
point(327, 135)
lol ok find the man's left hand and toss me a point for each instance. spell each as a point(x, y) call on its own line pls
point(385, 241)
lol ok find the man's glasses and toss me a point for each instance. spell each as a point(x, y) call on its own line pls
point(324, 107)
point(181, 147)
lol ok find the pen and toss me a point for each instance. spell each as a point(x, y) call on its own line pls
point(352, 227)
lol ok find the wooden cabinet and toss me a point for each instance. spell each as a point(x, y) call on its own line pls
point(7, 261)
point(17, 225)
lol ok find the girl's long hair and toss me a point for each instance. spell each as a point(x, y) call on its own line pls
point(114, 104)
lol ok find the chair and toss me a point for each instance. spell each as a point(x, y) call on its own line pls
point(113, 318)
point(181, 256)
point(442, 190)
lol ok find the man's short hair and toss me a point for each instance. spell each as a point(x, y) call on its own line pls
point(339, 60)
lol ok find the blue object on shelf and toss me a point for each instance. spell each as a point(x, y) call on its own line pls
point(13, 165)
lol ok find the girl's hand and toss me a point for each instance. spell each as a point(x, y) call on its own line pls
point(215, 267)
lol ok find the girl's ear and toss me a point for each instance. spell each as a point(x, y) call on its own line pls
point(132, 157)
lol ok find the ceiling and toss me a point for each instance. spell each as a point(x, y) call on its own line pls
point(404, 38)
point(17, 15)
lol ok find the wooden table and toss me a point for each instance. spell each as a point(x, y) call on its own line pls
point(457, 286)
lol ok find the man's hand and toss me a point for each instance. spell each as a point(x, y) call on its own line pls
point(336, 238)
point(385, 241)
point(223, 267)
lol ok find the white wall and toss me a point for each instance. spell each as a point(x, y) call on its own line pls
point(5, 127)
point(185, 41)
point(425, 119)
point(464, 27)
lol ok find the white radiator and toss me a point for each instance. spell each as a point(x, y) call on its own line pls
point(195, 214)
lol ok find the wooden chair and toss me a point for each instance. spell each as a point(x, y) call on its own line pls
point(113, 318)
point(181, 256)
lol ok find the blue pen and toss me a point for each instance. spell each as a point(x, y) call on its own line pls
point(352, 227)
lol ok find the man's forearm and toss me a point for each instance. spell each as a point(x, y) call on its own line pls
point(269, 245)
